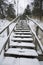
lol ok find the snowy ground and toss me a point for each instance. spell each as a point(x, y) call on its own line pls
point(40, 32)
point(4, 34)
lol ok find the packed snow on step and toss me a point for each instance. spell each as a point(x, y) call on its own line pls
point(20, 61)
point(22, 44)
point(24, 52)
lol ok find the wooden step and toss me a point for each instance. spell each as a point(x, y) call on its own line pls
point(22, 36)
point(26, 33)
point(21, 30)
point(22, 45)
point(20, 61)
point(18, 28)
point(10, 61)
point(22, 39)
point(26, 61)
point(18, 52)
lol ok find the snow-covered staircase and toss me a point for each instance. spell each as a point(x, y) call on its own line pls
point(22, 48)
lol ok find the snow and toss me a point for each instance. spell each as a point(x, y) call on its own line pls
point(23, 39)
point(20, 61)
point(26, 61)
point(32, 25)
point(3, 36)
point(23, 35)
point(1, 57)
point(10, 61)
point(13, 34)
point(3, 23)
point(19, 51)
point(23, 32)
point(36, 36)
point(41, 62)
point(22, 44)
point(2, 42)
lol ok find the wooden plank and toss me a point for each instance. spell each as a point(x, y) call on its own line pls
point(18, 52)
point(22, 36)
point(26, 61)
point(22, 45)
point(22, 39)
point(23, 33)
point(20, 61)
point(21, 30)
point(10, 61)
point(7, 35)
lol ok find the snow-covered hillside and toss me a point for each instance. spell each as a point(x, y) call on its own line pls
point(3, 36)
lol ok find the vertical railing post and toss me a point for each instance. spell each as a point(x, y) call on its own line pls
point(7, 35)
point(37, 28)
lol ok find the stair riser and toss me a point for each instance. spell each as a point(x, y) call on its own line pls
point(22, 41)
point(22, 47)
point(22, 37)
point(24, 33)
point(21, 31)
point(16, 56)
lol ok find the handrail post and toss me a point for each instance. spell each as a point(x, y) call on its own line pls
point(37, 28)
point(7, 35)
